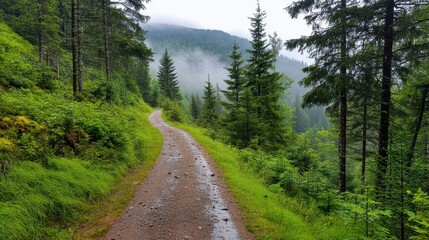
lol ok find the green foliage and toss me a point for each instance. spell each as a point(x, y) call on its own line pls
point(38, 22)
point(196, 106)
point(267, 87)
point(56, 154)
point(174, 111)
point(419, 220)
point(18, 68)
point(366, 215)
point(167, 78)
point(209, 116)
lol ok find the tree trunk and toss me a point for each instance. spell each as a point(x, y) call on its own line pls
point(343, 107)
point(385, 97)
point(105, 7)
point(418, 126)
point(364, 136)
point(39, 32)
point(74, 46)
point(79, 44)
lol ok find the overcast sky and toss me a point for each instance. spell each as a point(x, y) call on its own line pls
point(231, 16)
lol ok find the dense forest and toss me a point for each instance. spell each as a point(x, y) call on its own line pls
point(76, 85)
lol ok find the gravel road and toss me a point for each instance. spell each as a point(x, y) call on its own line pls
point(184, 196)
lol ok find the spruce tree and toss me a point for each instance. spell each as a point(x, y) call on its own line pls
point(195, 106)
point(328, 75)
point(143, 79)
point(208, 112)
point(266, 87)
point(167, 78)
point(233, 94)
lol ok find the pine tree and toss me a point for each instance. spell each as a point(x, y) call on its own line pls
point(266, 86)
point(143, 79)
point(234, 94)
point(208, 112)
point(328, 75)
point(131, 10)
point(195, 106)
point(302, 120)
point(167, 78)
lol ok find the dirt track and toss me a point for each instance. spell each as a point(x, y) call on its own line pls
point(184, 196)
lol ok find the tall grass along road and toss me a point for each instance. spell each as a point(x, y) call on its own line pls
point(182, 198)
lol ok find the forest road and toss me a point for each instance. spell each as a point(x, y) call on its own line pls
point(184, 196)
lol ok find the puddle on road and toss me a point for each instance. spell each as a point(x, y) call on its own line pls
point(224, 227)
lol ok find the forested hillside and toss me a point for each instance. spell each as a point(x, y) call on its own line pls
point(72, 121)
point(199, 52)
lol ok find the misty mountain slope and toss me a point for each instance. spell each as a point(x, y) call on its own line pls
point(177, 39)
point(197, 52)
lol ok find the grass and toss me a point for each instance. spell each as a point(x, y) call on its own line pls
point(33, 194)
point(268, 215)
point(102, 212)
point(44, 195)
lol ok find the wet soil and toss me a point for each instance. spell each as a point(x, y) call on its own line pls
point(184, 196)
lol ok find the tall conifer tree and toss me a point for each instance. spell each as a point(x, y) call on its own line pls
point(328, 75)
point(167, 78)
point(234, 94)
point(208, 112)
point(266, 86)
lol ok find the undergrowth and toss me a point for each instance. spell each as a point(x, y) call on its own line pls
point(58, 155)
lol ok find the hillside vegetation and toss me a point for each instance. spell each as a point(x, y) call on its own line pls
point(58, 155)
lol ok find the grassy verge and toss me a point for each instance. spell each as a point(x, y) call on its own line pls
point(101, 213)
point(268, 215)
point(60, 162)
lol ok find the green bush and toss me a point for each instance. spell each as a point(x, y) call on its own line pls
point(174, 111)
point(419, 219)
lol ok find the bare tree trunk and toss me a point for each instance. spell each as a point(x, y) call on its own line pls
point(39, 32)
point(105, 7)
point(79, 45)
point(74, 46)
point(343, 108)
point(385, 98)
point(364, 136)
point(58, 67)
point(418, 126)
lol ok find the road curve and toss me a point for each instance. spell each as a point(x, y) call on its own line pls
point(182, 198)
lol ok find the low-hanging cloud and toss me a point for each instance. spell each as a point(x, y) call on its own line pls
point(193, 67)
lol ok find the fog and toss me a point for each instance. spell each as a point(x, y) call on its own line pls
point(192, 68)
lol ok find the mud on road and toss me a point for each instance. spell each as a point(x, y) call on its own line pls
point(184, 196)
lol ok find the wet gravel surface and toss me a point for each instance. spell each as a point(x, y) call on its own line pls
point(184, 196)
